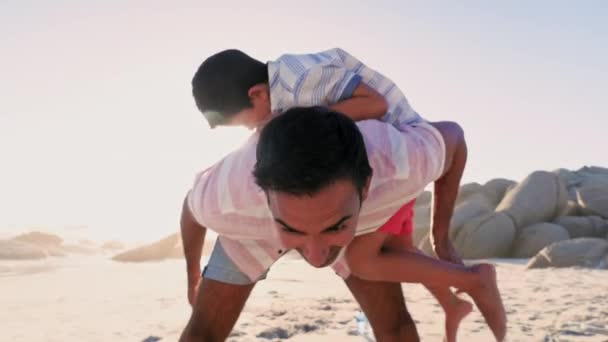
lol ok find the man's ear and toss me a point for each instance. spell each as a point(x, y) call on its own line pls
point(365, 189)
point(258, 92)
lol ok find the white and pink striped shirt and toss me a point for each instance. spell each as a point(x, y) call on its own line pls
point(225, 199)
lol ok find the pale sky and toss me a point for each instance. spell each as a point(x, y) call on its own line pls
point(98, 126)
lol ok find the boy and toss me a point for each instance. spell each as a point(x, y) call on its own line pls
point(231, 88)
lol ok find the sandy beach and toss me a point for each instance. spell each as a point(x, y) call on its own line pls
point(95, 299)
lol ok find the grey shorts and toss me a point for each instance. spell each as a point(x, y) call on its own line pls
point(221, 268)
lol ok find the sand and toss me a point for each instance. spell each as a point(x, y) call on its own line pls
point(95, 299)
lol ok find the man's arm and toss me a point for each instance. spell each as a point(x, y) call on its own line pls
point(446, 189)
point(365, 103)
point(193, 238)
point(215, 311)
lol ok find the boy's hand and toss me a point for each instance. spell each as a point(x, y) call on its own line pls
point(444, 249)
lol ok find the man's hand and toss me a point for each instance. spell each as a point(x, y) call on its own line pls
point(444, 249)
point(193, 285)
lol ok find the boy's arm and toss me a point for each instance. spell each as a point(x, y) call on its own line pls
point(193, 238)
point(365, 103)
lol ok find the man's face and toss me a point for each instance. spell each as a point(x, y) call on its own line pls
point(317, 226)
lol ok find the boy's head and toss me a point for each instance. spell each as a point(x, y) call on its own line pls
point(313, 167)
point(231, 88)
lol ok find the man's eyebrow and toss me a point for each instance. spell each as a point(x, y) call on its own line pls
point(288, 226)
point(333, 226)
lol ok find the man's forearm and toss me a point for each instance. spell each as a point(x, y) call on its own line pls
point(193, 238)
point(446, 187)
point(444, 198)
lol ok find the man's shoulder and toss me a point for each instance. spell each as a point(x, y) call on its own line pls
point(240, 160)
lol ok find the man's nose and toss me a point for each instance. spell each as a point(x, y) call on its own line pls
point(316, 253)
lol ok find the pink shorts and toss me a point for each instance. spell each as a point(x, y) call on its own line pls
point(402, 223)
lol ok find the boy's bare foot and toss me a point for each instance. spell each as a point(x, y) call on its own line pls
point(453, 316)
point(487, 298)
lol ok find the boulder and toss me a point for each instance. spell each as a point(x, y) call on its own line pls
point(425, 246)
point(583, 226)
point(424, 198)
point(160, 250)
point(593, 198)
point(39, 239)
point(87, 243)
point(113, 245)
point(572, 209)
point(486, 236)
point(19, 250)
point(533, 238)
point(540, 197)
point(585, 252)
point(422, 222)
point(496, 189)
point(79, 249)
point(467, 190)
point(475, 206)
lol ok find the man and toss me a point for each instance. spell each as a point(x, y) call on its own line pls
point(342, 199)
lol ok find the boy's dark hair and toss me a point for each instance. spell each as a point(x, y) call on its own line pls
point(222, 81)
point(306, 149)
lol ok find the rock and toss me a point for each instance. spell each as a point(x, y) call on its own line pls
point(540, 197)
point(113, 245)
point(79, 249)
point(467, 190)
point(583, 226)
point(474, 206)
point(426, 247)
point(422, 222)
point(87, 243)
point(39, 239)
point(496, 189)
point(424, 198)
point(160, 250)
point(54, 251)
point(487, 236)
point(572, 209)
point(585, 252)
point(593, 198)
point(19, 250)
point(178, 251)
point(533, 238)
point(569, 178)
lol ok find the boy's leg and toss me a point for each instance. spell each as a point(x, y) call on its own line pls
point(367, 261)
point(455, 308)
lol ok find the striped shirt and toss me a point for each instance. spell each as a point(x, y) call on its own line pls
point(225, 198)
point(327, 77)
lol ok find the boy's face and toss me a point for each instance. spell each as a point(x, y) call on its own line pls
point(317, 226)
point(259, 111)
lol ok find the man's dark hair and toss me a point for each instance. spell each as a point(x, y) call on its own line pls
point(221, 82)
point(306, 149)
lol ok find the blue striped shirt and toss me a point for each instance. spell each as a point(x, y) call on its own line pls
point(324, 78)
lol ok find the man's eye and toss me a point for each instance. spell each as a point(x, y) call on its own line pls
point(336, 229)
point(290, 231)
